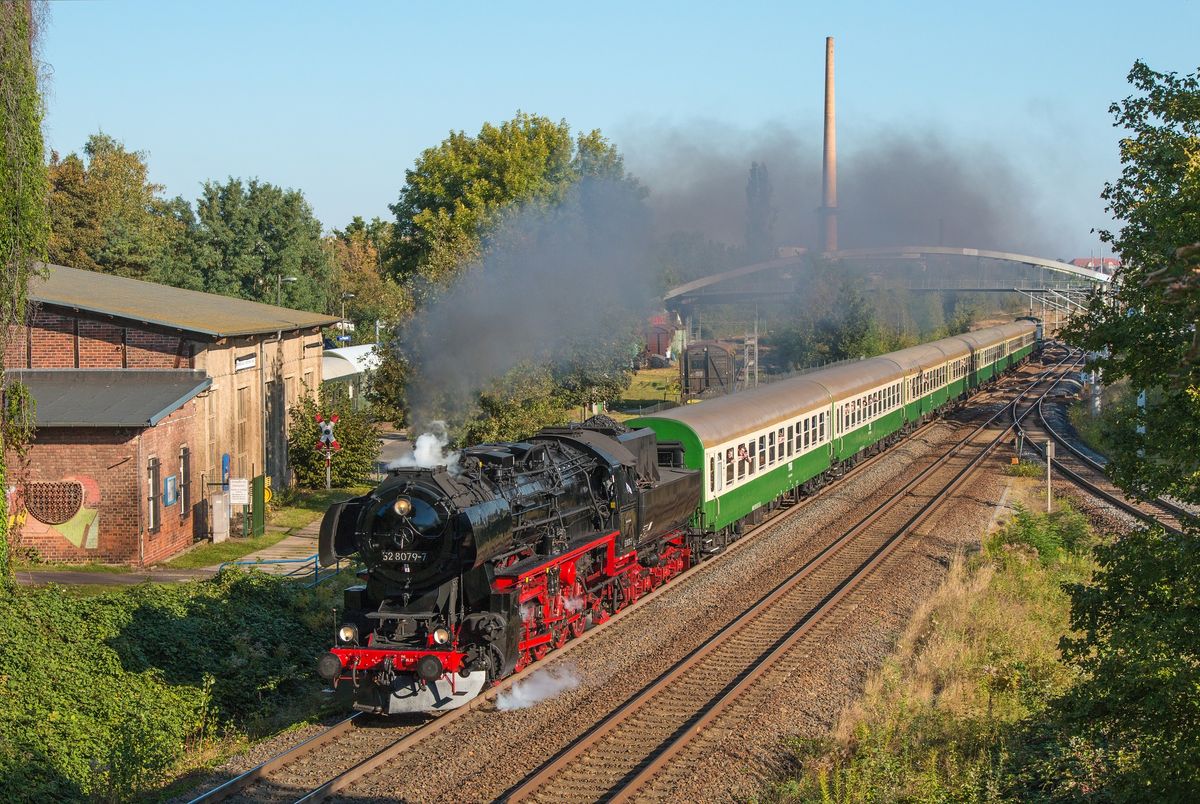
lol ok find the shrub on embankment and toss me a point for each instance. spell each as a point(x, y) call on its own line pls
point(104, 697)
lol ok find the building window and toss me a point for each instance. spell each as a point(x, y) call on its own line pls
point(153, 516)
point(185, 482)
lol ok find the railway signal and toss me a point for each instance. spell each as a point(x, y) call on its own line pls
point(327, 443)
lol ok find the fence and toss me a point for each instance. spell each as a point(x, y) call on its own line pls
point(308, 569)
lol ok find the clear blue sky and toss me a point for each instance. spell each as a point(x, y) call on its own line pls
point(338, 99)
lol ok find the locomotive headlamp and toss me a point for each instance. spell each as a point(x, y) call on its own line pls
point(402, 506)
point(348, 634)
point(441, 636)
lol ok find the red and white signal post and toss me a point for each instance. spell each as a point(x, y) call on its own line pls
point(327, 443)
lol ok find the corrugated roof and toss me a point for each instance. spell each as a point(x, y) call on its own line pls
point(108, 397)
point(163, 305)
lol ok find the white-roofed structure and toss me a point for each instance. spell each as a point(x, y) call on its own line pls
point(348, 366)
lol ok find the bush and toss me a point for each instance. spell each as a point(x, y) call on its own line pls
point(353, 464)
point(104, 696)
point(1136, 713)
point(1050, 535)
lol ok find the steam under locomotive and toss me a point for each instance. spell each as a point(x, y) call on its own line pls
point(477, 569)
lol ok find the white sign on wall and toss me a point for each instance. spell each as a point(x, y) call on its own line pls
point(239, 491)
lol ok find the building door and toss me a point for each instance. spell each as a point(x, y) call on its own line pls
point(276, 435)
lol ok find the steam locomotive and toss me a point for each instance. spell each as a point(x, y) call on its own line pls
point(478, 569)
point(475, 570)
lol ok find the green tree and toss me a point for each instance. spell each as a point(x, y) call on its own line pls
point(354, 463)
point(355, 257)
point(75, 235)
point(1138, 645)
point(856, 333)
point(1138, 621)
point(1147, 331)
point(24, 218)
point(513, 408)
point(456, 190)
point(253, 235)
point(106, 213)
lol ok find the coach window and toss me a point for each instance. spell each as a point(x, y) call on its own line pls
point(790, 435)
point(807, 429)
point(752, 453)
point(712, 474)
point(762, 452)
point(771, 448)
point(729, 467)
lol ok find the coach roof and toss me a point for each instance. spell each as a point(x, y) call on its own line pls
point(727, 417)
point(165, 306)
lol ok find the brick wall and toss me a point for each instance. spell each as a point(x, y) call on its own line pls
point(58, 340)
point(184, 427)
point(114, 474)
point(150, 350)
point(53, 341)
point(100, 344)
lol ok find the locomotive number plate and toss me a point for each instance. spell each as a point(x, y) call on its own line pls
point(404, 556)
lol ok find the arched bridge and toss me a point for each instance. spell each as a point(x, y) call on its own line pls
point(1053, 287)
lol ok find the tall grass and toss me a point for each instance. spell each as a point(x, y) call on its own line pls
point(937, 722)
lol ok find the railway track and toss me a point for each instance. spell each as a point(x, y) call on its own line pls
point(269, 780)
point(1088, 474)
point(633, 751)
point(374, 748)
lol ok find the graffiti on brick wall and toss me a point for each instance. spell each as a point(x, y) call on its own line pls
point(67, 508)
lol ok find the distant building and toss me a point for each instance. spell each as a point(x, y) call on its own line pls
point(145, 394)
point(348, 367)
point(1108, 265)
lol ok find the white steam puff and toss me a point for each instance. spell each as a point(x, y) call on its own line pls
point(429, 450)
point(541, 686)
point(573, 604)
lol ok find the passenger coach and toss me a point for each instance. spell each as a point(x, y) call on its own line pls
point(756, 446)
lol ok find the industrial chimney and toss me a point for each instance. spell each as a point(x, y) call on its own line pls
point(829, 239)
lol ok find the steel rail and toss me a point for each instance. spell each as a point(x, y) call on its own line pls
point(240, 782)
point(663, 754)
point(1121, 503)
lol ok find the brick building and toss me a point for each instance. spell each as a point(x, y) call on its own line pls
point(144, 393)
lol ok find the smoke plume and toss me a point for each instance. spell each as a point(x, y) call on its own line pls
point(903, 188)
point(540, 686)
point(552, 277)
